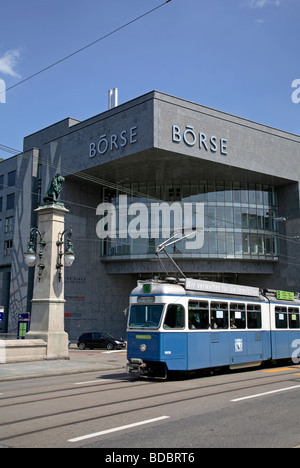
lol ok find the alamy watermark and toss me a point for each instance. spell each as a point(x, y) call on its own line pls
point(151, 221)
point(296, 352)
point(2, 92)
point(296, 93)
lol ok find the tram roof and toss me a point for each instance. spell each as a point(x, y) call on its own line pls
point(193, 287)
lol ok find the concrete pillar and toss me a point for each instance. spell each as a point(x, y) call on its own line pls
point(47, 315)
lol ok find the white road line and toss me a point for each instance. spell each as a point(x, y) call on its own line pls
point(120, 428)
point(266, 393)
point(102, 380)
point(92, 381)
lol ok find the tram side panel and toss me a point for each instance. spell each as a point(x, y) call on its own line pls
point(285, 322)
point(234, 345)
point(199, 356)
point(250, 346)
point(219, 345)
point(174, 350)
point(215, 349)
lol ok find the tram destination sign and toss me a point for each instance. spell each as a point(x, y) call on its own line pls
point(285, 295)
point(223, 288)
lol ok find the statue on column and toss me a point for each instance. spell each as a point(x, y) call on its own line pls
point(55, 189)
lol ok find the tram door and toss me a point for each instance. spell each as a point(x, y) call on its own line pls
point(174, 338)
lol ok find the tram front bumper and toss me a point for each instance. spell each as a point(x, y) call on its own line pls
point(135, 366)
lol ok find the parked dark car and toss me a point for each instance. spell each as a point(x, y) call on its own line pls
point(99, 340)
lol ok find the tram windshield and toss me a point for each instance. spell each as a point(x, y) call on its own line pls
point(145, 316)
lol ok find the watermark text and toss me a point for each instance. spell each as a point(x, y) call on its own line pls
point(2, 92)
point(296, 93)
point(296, 352)
point(152, 220)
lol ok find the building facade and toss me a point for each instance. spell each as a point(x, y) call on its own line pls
point(134, 175)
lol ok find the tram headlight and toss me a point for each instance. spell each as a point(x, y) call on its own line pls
point(143, 347)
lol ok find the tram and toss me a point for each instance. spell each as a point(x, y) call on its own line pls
point(186, 325)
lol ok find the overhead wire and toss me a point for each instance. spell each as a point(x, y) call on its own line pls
point(88, 177)
point(134, 193)
point(81, 49)
point(85, 176)
point(7, 149)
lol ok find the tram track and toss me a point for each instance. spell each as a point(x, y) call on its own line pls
point(75, 413)
point(74, 391)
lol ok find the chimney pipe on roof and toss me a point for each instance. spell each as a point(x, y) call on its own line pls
point(112, 98)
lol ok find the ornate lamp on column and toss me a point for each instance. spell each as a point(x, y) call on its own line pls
point(69, 254)
point(30, 256)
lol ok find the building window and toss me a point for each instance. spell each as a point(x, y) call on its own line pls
point(239, 219)
point(1, 203)
point(11, 178)
point(7, 247)
point(1, 181)
point(10, 201)
point(9, 224)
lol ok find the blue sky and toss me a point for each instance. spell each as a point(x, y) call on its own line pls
point(238, 56)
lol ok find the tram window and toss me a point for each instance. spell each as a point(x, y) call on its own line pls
point(253, 316)
point(219, 315)
point(174, 316)
point(198, 315)
point(294, 317)
point(281, 317)
point(145, 316)
point(237, 316)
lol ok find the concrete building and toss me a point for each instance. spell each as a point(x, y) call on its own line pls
point(241, 176)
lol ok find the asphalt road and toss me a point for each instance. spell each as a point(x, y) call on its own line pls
point(109, 410)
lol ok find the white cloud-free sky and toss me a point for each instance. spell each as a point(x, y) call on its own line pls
point(238, 56)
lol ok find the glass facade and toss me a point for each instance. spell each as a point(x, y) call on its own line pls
point(239, 219)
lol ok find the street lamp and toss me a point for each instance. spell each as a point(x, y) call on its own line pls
point(69, 253)
point(31, 256)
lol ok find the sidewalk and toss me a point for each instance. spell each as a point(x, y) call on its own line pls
point(26, 370)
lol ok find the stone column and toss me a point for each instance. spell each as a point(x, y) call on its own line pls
point(47, 315)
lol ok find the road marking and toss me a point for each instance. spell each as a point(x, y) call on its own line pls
point(120, 428)
point(103, 380)
point(283, 369)
point(266, 393)
point(91, 381)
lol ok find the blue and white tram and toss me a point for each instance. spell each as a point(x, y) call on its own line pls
point(194, 324)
